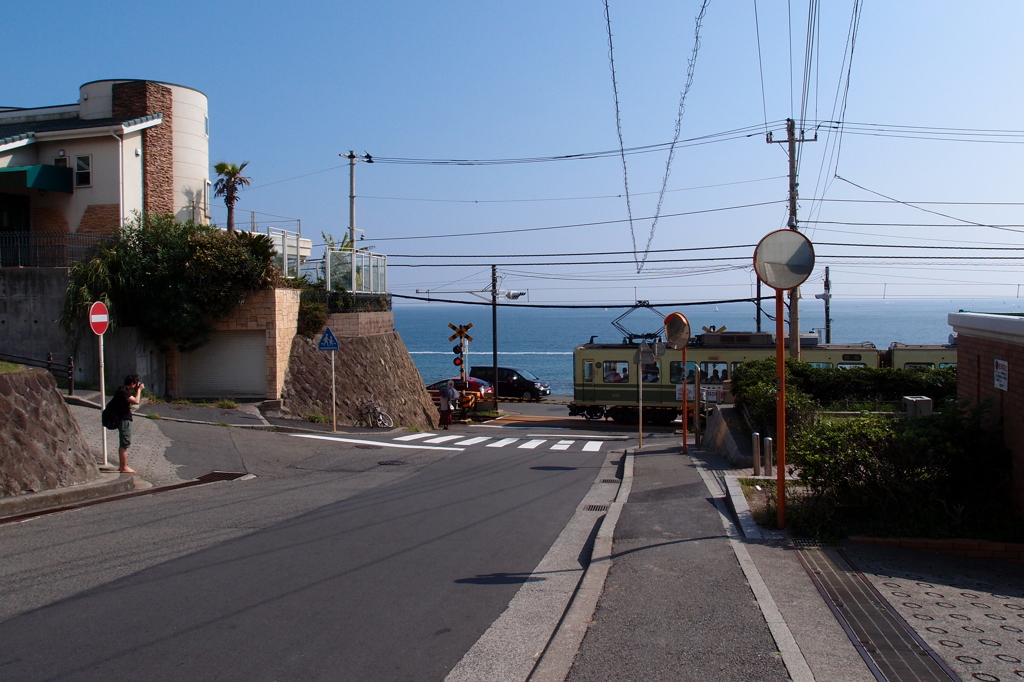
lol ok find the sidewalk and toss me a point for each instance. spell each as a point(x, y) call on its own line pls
point(688, 598)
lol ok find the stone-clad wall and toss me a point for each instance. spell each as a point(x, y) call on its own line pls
point(41, 444)
point(361, 324)
point(378, 366)
point(133, 99)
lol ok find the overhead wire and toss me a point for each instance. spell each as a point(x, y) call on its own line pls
point(760, 67)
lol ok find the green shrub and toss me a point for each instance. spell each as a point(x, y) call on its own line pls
point(312, 317)
point(317, 418)
point(226, 404)
point(172, 280)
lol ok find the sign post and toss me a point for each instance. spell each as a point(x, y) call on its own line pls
point(677, 336)
point(328, 342)
point(783, 260)
point(99, 320)
point(643, 356)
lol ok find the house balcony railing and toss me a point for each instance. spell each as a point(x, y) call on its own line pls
point(358, 272)
point(46, 249)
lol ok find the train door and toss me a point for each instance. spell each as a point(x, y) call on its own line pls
point(589, 394)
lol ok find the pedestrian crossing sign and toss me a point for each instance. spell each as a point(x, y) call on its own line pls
point(328, 341)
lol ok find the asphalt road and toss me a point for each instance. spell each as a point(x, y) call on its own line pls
point(327, 565)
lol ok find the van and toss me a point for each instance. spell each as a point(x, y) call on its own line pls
point(513, 382)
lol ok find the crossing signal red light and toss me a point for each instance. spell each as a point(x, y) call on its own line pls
point(457, 362)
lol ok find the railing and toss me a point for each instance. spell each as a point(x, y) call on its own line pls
point(348, 302)
point(46, 249)
point(359, 271)
point(57, 369)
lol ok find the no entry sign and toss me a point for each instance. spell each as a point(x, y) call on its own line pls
point(99, 319)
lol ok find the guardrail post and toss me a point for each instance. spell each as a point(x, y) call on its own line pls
point(71, 375)
point(768, 442)
point(755, 439)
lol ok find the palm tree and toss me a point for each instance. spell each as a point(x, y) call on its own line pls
point(227, 186)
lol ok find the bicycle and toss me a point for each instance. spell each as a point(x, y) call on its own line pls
point(373, 415)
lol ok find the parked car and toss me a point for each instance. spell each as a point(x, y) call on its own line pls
point(513, 382)
point(472, 390)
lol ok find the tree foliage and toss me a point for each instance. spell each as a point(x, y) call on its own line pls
point(172, 280)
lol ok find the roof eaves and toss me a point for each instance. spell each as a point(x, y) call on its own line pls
point(15, 141)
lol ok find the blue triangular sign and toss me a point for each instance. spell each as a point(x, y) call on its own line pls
point(328, 341)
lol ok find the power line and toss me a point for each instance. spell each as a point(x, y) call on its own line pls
point(589, 306)
point(760, 67)
point(562, 227)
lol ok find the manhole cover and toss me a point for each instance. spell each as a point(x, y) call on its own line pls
point(390, 462)
point(596, 507)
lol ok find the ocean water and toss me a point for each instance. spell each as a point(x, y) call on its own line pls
point(541, 340)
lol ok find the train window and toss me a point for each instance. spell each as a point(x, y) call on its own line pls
point(851, 357)
point(735, 365)
point(714, 372)
point(616, 372)
point(821, 365)
point(675, 372)
point(850, 365)
point(588, 371)
point(947, 364)
point(923, 365)
point(652, 373)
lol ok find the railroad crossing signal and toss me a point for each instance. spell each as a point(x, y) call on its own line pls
point(458, 350)
point(460, 332)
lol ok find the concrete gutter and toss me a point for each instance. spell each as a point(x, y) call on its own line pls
point(105, 486)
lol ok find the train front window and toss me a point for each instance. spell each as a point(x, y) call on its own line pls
point(652, 373)
point(675, 372)
point(588, 371)
point(616, 372)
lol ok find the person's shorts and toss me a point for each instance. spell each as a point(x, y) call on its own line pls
point(124, 433)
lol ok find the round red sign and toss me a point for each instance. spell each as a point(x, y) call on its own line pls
point(99, 319)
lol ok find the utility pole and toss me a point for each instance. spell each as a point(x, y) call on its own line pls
point(827, 298)
point(794, 294)
point(494, 330)
point(352, 157)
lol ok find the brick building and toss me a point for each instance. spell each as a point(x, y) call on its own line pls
point(990, 366)
point(83, 168)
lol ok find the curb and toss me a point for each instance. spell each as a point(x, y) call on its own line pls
point(81, 402)
point(986, 549)
point(738, 503)
point(556, 660)
point(109, 484)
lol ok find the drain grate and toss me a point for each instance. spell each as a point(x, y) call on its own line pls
point(596, 507)
point(215, 476)
point(892, 651)
point(807, 543)
point(391, 462)
point(609, 480)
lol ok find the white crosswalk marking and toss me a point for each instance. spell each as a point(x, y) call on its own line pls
point(415, 436)
point(531, 444)
point(593, 446)
point(502, 443)
point(442, 439)
point(473, 441)
point(562, 445)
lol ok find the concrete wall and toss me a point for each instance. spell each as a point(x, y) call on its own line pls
point(191, 154)
point(981, 340)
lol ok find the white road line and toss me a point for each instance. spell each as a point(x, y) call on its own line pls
point(381, 443)
point(593, 446)
point(473, 441)
point(442, 439)
point(502, 443)
point(531, 444)
point(562, 445)
point(415, 436)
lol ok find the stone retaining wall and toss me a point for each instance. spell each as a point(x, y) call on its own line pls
point(361, 324)
point(41, 444)
point(377, 365)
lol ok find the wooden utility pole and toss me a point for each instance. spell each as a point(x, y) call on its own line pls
point(794, 294)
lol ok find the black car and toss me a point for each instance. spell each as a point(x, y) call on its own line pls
point(513, 382)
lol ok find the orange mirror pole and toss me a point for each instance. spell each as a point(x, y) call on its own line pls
point(685, 435)
point(780, 407)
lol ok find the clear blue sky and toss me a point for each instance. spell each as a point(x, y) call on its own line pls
point(293, 85)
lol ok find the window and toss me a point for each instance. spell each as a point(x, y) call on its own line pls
point(821, 365)
point(675, 372)
point(83, 171)
point(714, 372)
point(61, 162)
point(616, 372)
point(947, 364)
point(850, 365)
point(588, 371)
point(652, 373)
point(918, 365)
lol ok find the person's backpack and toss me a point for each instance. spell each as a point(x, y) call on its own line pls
point(109, 419)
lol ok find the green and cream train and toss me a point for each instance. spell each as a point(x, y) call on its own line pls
point(605, 378)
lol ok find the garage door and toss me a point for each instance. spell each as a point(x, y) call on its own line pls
point(232, 365)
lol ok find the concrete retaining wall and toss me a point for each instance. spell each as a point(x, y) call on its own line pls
point(725, 435)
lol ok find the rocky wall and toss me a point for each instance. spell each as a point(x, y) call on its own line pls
point(41, 444)
point(377, 365)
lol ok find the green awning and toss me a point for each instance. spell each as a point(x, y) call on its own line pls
point(53, 178)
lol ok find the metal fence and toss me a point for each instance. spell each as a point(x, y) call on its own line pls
point(46, 249)
point(65, 372)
